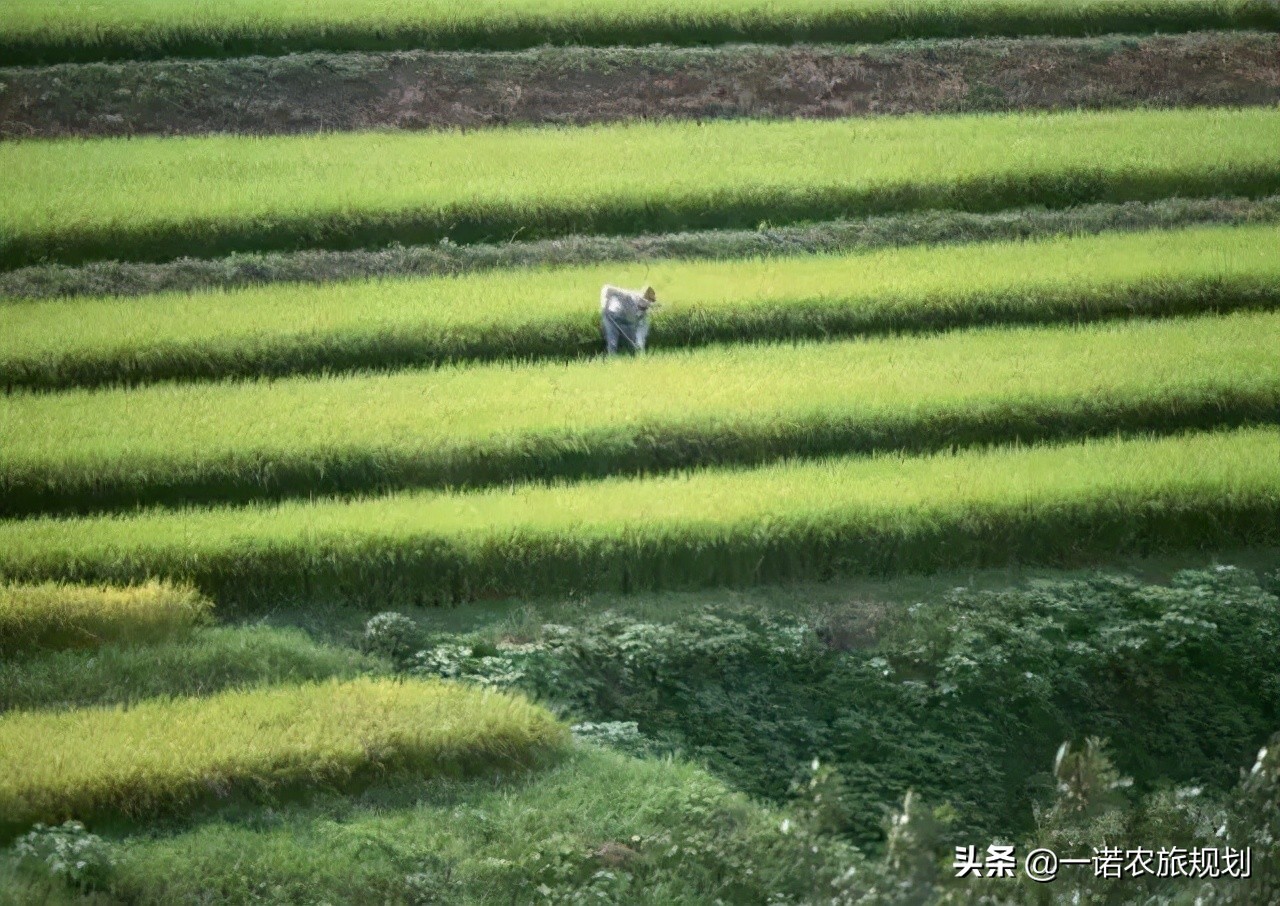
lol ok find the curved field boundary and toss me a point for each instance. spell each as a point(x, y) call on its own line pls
point(160, 755)
point(42, 32)
point(290, 329)
point(85, 451)
point(54, 616)
point(318, 92)
point(1049, 505)
point(156, 199)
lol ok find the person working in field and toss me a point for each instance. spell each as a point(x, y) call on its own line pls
point(624, 315)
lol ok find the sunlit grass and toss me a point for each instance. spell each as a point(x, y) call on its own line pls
point(477, 425)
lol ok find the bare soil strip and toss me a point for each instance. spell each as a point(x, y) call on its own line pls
point(421, 89)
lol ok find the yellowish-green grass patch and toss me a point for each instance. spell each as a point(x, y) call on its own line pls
point(44, 32)
point(55, 615)
point(157, 755)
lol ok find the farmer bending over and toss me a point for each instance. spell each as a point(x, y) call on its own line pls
point(624, 314)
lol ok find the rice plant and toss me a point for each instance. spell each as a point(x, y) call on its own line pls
point(478, 425)
point(883, 514)
point(162, 754)
point(36, 32)
point(552, 312)
point(159, 198)
point(54, 615)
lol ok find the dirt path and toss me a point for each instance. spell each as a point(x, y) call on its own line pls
point(416, 89)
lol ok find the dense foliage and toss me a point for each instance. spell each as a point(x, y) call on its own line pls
point(960, 698)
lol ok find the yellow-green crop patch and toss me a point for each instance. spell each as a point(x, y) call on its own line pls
point(289, 329)
point(86, 450)
point(152, 199)
point(53, 615)
point(1050, 504)
point(44, 32)
point(160, 754)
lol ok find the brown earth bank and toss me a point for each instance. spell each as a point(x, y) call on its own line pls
point(420, 89)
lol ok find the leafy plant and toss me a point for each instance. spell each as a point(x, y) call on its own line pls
point(66, 851)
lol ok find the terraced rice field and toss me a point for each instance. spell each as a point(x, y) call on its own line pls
point(153, 199)
point(791, 520)
point(42, 32)
point(899, 344)
point(539, 313)
point(484, 425)
point(53, 616)
point(160, 755)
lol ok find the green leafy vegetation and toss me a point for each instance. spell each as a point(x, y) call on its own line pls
point(888, 513)
point(160, 754)
point(953, 696)
point(471, 426)
point(36, 32)
point(52, 615)
point(597, 827)
point(287, 329)
point(155, 199)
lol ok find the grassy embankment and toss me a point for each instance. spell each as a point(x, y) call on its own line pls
point(140, 278)
point(155, 199)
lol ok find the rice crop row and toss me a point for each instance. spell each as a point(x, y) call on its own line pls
point(794, 520)
point(36, 32)
point(161, 754)
point(154, 199)
point(54, 615)
point(912, 228)
point(552, 313)
point(87, 450)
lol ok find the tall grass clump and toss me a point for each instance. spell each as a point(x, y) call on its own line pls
point(551, 313)
point(159, 755)
point(55, 615)
point(884, 514)
point(159, 198)
point(35, 32)
point(481, 425)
